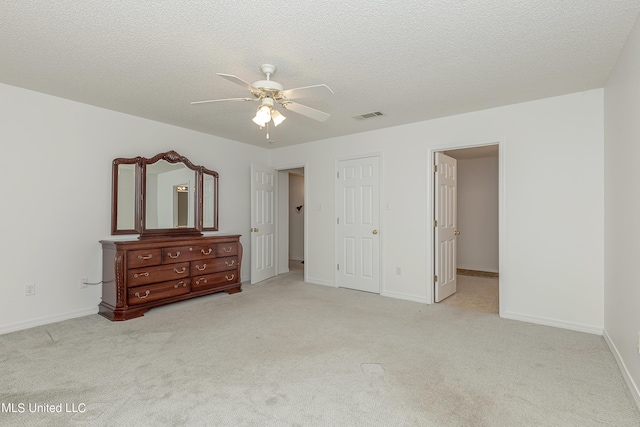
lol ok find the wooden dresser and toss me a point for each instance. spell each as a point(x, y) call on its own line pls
point(142, 274)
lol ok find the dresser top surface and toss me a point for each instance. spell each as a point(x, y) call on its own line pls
point(169, 241)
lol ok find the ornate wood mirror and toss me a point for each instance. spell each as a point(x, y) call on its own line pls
point(165, 195)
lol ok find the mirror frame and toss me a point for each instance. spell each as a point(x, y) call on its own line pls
point(140, 226)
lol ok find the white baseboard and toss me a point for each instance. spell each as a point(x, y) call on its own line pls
point(633, 387)
point(406, 297)
point(5, 329)
point(578, 327)
point(320, 282)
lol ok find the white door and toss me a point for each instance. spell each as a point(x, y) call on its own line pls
point(358, 222)
point(263, 263)
point(445, 216)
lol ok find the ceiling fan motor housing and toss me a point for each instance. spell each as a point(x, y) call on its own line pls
point(268, 85)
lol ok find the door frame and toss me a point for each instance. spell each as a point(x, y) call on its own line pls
point(336, 279)
point(503, 250)
point(278, 224)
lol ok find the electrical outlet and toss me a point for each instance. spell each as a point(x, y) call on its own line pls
point(83, 283)
point(29, 289)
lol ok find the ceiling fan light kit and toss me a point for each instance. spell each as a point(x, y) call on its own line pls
point(270, 93)
point(266, 112)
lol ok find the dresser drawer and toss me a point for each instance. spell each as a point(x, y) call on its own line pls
point(225, 249)
point(213, 280)
point(187, 253)
point(160, 273)
point(145, 257)
point(146, 293)
point(213, 265)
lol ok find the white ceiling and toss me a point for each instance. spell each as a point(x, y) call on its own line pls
point(412, 60)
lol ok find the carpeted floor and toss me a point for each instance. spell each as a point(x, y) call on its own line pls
point(475, 293)
point(286, 353)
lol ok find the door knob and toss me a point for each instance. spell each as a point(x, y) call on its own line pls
point(253, 230)
point(457, 233)
point(375, 231)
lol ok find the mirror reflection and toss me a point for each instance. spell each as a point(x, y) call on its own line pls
point(126, 214)
point(170, 195)
point(209, 220)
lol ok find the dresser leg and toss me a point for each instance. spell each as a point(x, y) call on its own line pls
point(117, 315)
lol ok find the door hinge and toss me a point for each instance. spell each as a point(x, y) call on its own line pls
point(337, 220)
point(338, 175)
point(435, 168)
point(338, 267)
point(435, 222)
point(435, 279)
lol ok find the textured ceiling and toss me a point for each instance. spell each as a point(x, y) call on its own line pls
point(411, 60)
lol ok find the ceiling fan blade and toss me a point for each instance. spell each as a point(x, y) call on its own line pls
point(239, 81)
point(312, 113)
point(222, 100)
point(301, 92)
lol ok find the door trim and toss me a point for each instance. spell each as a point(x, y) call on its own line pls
point(336, 213)
point(503, 249)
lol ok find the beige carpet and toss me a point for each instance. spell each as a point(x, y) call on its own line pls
point(285, 353)
point(475, 293)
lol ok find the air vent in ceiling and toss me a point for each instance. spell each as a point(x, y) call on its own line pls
point(368, 115)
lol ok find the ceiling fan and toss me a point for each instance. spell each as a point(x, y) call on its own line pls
point(271, 93)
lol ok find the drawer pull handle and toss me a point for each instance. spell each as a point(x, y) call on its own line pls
point(229, 264)
point(227, 250)
point(202, 279)
point(206, 253)
point(204, 267)
point(229, 279)
point(174, 257)
point(146, 294)
point(145, 256)
point(180, 271)
point(145, 274)
point(177, 285)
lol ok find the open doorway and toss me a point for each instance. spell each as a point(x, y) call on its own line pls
point(476, 258)
point(291, 221)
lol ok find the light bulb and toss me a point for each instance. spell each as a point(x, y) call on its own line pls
point(277, 117)
point(257, 120)
point(263, 115)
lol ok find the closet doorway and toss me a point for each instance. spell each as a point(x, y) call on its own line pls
point(477, 225)
point(291, 221)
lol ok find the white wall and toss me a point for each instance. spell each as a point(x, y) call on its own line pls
point(551, 263)
point(622, 210)
point(478, 214)
point(62, 153)
point(296, 217)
